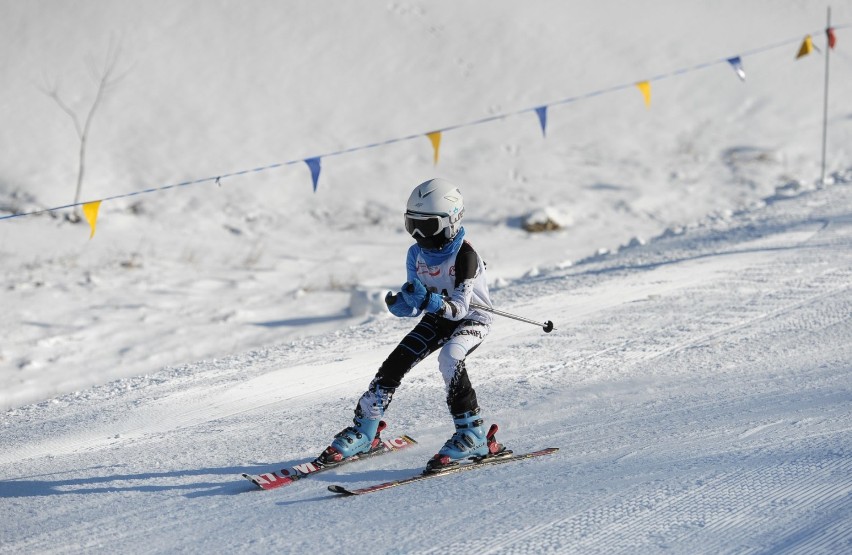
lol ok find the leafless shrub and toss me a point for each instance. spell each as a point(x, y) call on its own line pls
point(105, 75)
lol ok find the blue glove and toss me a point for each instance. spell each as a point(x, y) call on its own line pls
point(434, 303)
point(398, 306)
point(417, 296)
point(414, 293)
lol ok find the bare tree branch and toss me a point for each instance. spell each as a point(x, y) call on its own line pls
point(105, 77)
point(52, 91)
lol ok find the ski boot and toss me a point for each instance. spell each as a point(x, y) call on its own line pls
point(363, 436)
point(470, 441)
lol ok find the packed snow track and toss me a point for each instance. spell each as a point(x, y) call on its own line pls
point(697, 387)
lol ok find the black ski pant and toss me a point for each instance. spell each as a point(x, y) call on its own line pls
point(456, 339)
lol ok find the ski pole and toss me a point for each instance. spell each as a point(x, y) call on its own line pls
point(547, 325)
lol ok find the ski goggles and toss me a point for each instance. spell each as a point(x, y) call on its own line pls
point(425, 225)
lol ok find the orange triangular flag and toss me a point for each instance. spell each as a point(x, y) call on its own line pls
point(90, 210)
point(645, 87)
point(832, 40)
point(435, 137)
point(806, 48)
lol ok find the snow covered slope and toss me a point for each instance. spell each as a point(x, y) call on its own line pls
point(213, 88)
point(698, 382)
point(698, 388)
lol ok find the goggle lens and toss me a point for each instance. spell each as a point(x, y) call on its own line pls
point(422, 225)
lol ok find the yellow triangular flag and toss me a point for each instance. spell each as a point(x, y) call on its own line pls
point(806, 48)
point(90, 210)
point(435, 137)
point(645, 87)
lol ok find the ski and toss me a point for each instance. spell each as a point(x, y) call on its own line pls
point(499, 458)
point(286, 476)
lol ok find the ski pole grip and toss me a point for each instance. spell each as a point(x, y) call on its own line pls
point(390, 299)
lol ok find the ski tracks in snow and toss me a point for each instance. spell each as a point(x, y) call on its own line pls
point(697, 387)
point(710, 481)
point(728, 507)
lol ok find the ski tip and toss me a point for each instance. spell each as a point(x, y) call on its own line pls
point(340, 490)
point(545, 451)
point(253, 479)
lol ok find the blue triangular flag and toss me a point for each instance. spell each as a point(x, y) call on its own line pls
point(737, 64)
point(314, 165)
point(542, 119)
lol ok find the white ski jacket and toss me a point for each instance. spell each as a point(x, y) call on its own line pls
point(460, 279)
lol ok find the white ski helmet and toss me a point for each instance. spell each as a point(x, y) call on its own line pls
point(434, 212)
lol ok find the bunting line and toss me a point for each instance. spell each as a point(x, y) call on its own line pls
point(806, 48)
point(90, 211)
point(737, 63)
point(541, 112)
point(314, 162)
point(315, 166)
point(645, 88)
point(435, 139)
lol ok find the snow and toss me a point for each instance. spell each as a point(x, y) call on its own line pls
point(697, 383)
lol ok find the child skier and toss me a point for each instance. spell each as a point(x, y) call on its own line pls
point(444, 276)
